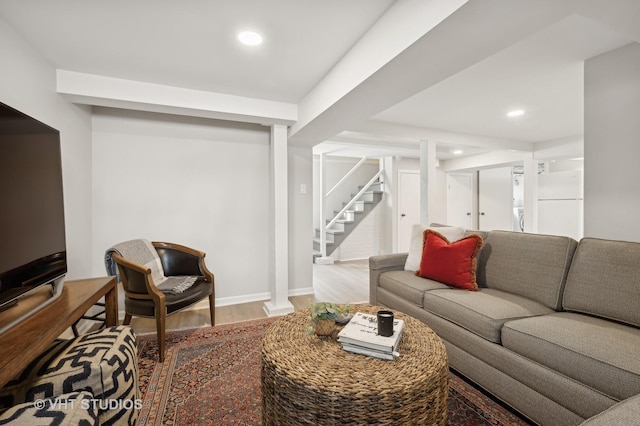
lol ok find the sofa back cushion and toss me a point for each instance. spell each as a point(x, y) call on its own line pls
point(604, 280)
point(530, 265)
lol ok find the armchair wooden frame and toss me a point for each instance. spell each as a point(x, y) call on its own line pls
point(139, 286)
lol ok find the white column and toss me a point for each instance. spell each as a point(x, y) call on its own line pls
point(428, 164)
point(390, 202)
point(279, 280)
point(322, 198)
point(530, 166)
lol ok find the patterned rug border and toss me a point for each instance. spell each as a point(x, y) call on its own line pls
point(186, 329)
point(157, 387)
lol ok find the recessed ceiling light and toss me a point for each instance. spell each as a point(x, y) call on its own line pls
point(515, 113)
point(250, 38)
point(457, 151)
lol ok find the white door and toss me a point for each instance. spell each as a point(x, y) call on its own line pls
point(560, 203)
point(459, 200)
point(495, 199)
point(408, 206)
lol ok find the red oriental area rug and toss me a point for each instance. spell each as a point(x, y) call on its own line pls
point(211, 376)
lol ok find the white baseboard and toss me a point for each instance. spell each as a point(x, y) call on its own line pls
point(236, 300)
point(301, 291)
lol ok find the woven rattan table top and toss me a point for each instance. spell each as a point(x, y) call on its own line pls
point(307, 378)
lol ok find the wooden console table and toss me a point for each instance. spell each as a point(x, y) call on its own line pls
point(22, 343)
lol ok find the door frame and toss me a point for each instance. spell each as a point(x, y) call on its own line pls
point(399, 204)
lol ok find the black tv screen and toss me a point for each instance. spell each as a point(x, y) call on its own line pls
point(32, 228)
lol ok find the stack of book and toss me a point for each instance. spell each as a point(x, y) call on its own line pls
point(360, 336)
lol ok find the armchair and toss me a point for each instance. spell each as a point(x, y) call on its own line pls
point(160, 279)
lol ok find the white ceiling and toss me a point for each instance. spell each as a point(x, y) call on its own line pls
point(193, 44)
point(533, 61)
point(542, 75)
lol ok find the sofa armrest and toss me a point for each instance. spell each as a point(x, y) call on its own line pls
point(626, 412)
point(380, 264)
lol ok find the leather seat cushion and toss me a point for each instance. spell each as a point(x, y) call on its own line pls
point(175, 302)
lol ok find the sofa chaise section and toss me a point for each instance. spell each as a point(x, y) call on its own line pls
point(580, 347)
point(553, 331)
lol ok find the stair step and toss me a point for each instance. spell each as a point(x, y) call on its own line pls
point(348, 211)
point(342, 221)
point(331, 231)
point(368, 192)
point(345, 221)
point(361, 202)
point(317, 240)
point(376, 183)
point(357, 211)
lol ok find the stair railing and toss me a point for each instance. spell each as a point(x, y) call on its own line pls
point(323, 197)
point(353, 200)
point(346, 176)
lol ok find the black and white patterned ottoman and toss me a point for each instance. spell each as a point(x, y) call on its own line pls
point(72, 409)
point(103, 363)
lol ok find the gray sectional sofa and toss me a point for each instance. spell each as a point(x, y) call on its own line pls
point(553, 331)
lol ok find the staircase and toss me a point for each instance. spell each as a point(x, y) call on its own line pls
point(345, 223)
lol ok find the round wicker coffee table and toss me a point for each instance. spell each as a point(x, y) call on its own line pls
point(312, 380)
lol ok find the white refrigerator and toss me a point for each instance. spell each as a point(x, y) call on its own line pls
point(561, 203)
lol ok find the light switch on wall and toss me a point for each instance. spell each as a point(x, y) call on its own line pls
point(303, 188)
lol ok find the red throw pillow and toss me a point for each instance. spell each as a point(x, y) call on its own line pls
point(453, 264)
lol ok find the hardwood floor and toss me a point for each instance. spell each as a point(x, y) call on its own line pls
point(342, 282)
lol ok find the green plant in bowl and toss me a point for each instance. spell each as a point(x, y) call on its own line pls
point(323, 316)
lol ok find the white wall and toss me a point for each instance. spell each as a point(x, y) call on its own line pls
point(300, 172)
point(28, 84)
point(365, 240)
point(388, 209)
point(611, 148)
point(439, 211)
point(223, 160)
point(198, 182)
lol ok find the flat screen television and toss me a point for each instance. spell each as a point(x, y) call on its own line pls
point(32, 228)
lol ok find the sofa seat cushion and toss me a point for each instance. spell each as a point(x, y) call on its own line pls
point(407, 285)
point(626, 412)
point(599, 353)
point(482, 312)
